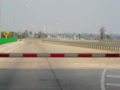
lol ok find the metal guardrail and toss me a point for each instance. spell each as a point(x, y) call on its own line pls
point(92, 45)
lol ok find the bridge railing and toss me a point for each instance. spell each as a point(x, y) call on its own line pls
point(93, 45)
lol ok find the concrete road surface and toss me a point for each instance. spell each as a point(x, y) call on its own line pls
point(56, 73)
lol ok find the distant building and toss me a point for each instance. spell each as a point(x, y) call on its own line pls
point(40, 35)
point(26, 34)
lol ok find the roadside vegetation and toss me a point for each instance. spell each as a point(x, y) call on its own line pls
point(7, 40)
point(12, 37)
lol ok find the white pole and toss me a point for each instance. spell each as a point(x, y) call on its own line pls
point(0, 34)
point(45, 28)
point(0, 18)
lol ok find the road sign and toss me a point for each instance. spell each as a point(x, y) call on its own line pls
point(6, 34)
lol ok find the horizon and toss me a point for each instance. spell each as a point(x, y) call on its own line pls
point(53, 16)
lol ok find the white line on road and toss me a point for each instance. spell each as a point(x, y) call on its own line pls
point(113, 84)
point(103, 80)
point(113, 76)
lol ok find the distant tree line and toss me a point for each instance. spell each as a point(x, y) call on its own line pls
point(12, 35)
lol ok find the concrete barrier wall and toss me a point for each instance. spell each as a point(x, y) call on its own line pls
point(93, 45)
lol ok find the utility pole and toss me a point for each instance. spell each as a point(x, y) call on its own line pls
point(14, 35)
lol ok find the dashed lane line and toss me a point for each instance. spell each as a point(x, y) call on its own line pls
point(113, 76)
point(113, 84)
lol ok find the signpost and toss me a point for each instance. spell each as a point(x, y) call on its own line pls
point(6, 34)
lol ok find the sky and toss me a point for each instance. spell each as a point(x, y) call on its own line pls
point(60, 16)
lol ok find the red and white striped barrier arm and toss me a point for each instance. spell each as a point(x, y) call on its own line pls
point(79, 55)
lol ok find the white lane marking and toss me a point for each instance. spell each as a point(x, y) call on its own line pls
point(103, 80)
point(113, 76)
point(113, 84)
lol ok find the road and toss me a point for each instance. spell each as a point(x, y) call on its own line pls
point(56, 73)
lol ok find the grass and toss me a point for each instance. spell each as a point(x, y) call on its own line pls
point(7, 40)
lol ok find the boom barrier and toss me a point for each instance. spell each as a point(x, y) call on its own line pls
point(60, 55)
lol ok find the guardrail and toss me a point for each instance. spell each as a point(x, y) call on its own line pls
point(92, 45)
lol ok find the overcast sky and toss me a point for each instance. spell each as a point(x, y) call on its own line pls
point(77, 16)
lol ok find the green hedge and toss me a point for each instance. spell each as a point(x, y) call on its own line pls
point(7, 40)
